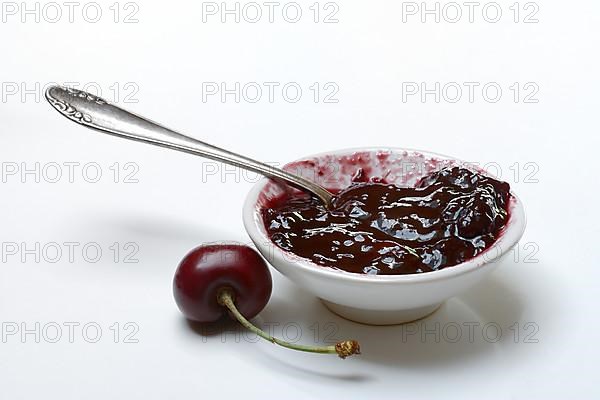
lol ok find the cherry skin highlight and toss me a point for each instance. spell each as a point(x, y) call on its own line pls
point(207, 270)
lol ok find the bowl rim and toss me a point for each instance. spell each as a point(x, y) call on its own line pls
point(508, 238)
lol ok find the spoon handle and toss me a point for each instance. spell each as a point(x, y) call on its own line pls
point(95, 113)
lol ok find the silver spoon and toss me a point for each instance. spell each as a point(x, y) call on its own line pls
point(95, 113)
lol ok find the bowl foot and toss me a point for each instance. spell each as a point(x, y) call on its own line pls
point(375, 317)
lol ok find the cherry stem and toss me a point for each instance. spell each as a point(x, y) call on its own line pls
point(343, 349)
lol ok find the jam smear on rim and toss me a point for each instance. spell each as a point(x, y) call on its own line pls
point(378, 228)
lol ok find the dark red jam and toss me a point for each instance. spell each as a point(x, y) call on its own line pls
point(381, 229)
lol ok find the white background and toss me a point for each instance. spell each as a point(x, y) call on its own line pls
point(161, 62)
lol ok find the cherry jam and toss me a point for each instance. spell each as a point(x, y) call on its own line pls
point(378, 228)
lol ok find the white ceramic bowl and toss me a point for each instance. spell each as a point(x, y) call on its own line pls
point(375, 299)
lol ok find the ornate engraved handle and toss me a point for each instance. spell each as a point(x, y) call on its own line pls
point(66, 109)
point(93, 112)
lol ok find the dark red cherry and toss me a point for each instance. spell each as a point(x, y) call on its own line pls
point(215, 279)
point(209, 269)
